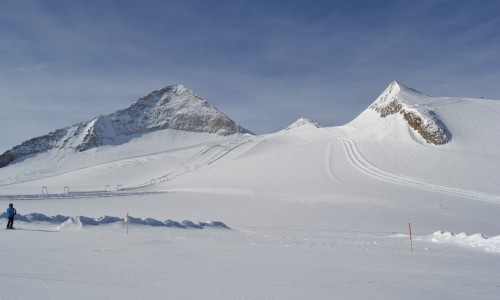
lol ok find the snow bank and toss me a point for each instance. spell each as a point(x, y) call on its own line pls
point(475, 240)
point(79, 221)
point(71, 224)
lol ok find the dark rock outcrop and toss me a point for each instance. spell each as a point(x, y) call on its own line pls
point(424, 120)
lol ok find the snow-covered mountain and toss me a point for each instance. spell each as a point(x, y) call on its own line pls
point(303, 122)
point(173, 107)
point(313, 212)
point(398, 98)
point(404, 132)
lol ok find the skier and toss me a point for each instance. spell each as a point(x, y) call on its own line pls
point(11, 212)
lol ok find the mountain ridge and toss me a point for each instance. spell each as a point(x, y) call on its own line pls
point(172, 107)
point(176, 107)
point(385, 148)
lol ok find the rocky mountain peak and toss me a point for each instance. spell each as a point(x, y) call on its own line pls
point(398, 98)
point(172, 107)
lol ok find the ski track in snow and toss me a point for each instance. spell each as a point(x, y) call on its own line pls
point(104, 164)
point(331, 165)
point(358, 161)
point(193, 163)
point(344, 129)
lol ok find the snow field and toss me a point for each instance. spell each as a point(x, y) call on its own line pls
point(102, 262)
point(315, 213)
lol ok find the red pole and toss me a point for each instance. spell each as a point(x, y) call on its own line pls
point(411, 241)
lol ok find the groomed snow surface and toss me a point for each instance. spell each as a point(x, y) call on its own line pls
point(308, 213)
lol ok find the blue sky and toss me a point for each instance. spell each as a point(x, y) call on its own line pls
point(264, 63)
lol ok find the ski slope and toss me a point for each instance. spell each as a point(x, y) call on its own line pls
point(314, 213)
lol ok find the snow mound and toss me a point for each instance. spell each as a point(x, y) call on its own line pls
point(303, 122)
point(398, 98)
point(71, 224)
point(476, 240)
point(75, 223)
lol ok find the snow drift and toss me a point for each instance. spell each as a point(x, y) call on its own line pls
point(79, 221)
point(475, 240)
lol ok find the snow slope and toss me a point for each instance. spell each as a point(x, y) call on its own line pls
point(152, 155)
point(315, 213)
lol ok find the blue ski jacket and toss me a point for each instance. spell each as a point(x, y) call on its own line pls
point(10, 212)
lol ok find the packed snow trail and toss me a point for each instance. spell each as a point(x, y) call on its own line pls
point(205, 157)
point(359, 162)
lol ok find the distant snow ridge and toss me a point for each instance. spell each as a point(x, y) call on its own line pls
point(79, 221)
point(303, 122)
point(172, 107)
point(396, 99)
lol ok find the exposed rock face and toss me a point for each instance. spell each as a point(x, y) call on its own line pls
point(393, 107)
point(425, 121)
point(172, 107)
point(32, 146)
point(6, 158)
point(433, 132)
